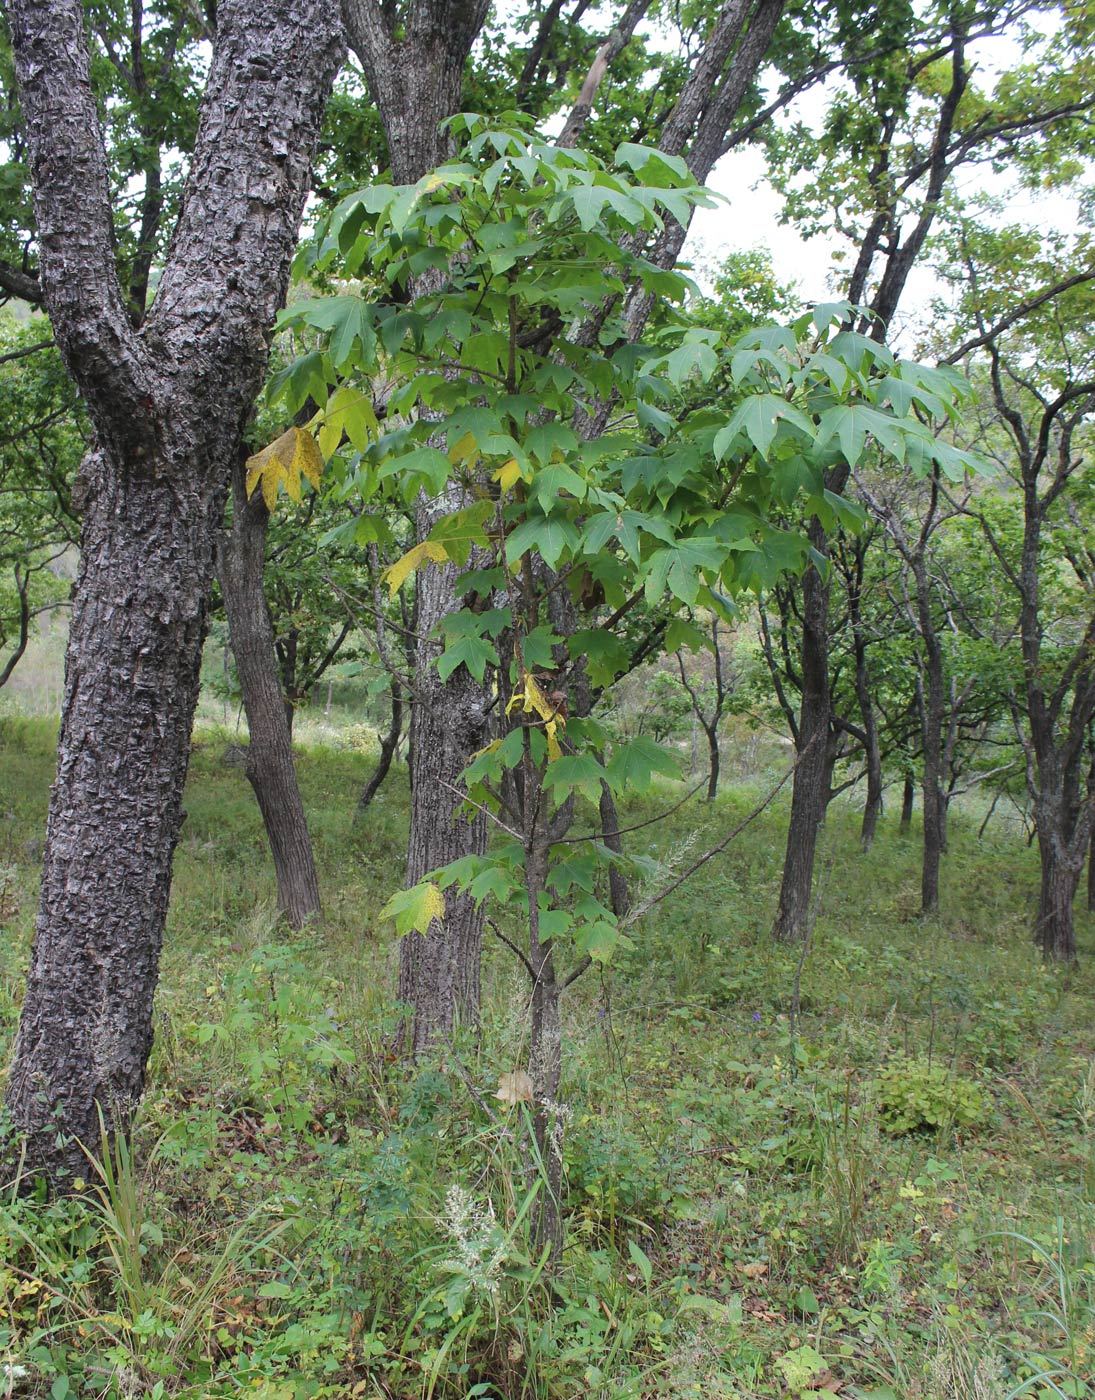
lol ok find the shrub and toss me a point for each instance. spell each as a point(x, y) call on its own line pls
point(914, 1096)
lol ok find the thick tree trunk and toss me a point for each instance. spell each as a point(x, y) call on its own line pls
point(168, 406)
point(439, 971)
point(131, 682)
point(240, 561)
point(813, 772)
point(1056, 934)
point(413, 61)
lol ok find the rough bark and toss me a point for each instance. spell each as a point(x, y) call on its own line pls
point(414, 65)
point(1062, 858)
point(270, 769)
point(868, 717)
point(545, 1057)
point(168, 405)
point(439, 971)
point(1091, 875)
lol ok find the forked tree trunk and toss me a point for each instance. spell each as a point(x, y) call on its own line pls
point(168, 407)
point(270, 770)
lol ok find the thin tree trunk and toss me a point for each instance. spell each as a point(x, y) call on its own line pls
point(813, 772)
point(168, 406)
point(872, 809)
point(388, 746)
point(618, 892)
point(713, 762)
point(908, 797)
point(270, 769)
point(1091, 875)
point(545, 1056)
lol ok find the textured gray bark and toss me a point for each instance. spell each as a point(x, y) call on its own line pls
point(241, 557)
point(413, 58)
point(439, 971)
point(168, 405)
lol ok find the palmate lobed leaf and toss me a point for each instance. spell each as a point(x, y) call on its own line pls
point(285, 462)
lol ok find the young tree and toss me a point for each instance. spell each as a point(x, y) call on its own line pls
point(1041, 376)
point(880, 174)
point(168, 404)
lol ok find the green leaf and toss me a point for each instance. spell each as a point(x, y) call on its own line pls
point(549, 537)
point(578, 773)
point(476, 653)
point(598, 940)
point(634, 763)
point(759, 417)
point(588, 201)
point(641, 1262)
point(606, 655)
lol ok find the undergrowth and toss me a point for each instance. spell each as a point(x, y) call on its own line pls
point(893, 1197)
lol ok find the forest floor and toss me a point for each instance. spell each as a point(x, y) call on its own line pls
point(890, 1196)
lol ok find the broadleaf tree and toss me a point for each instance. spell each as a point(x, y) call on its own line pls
point(490, 379)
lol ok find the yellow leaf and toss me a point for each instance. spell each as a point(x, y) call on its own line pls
point(463, 451)
point(284, 461)
point(433, 903)
point(554, 751)
point(532, 700)
point(307, 459)
point(537, 700)
point(401, 570)
point(489, 748)
point(515, 1088)
point(270, 485)
point(508, 474)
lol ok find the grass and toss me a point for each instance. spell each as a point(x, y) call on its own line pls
point(748, 1213)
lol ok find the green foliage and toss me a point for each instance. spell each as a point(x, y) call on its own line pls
point(915, 1096)
point(752, 1177)
point(493, 297)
